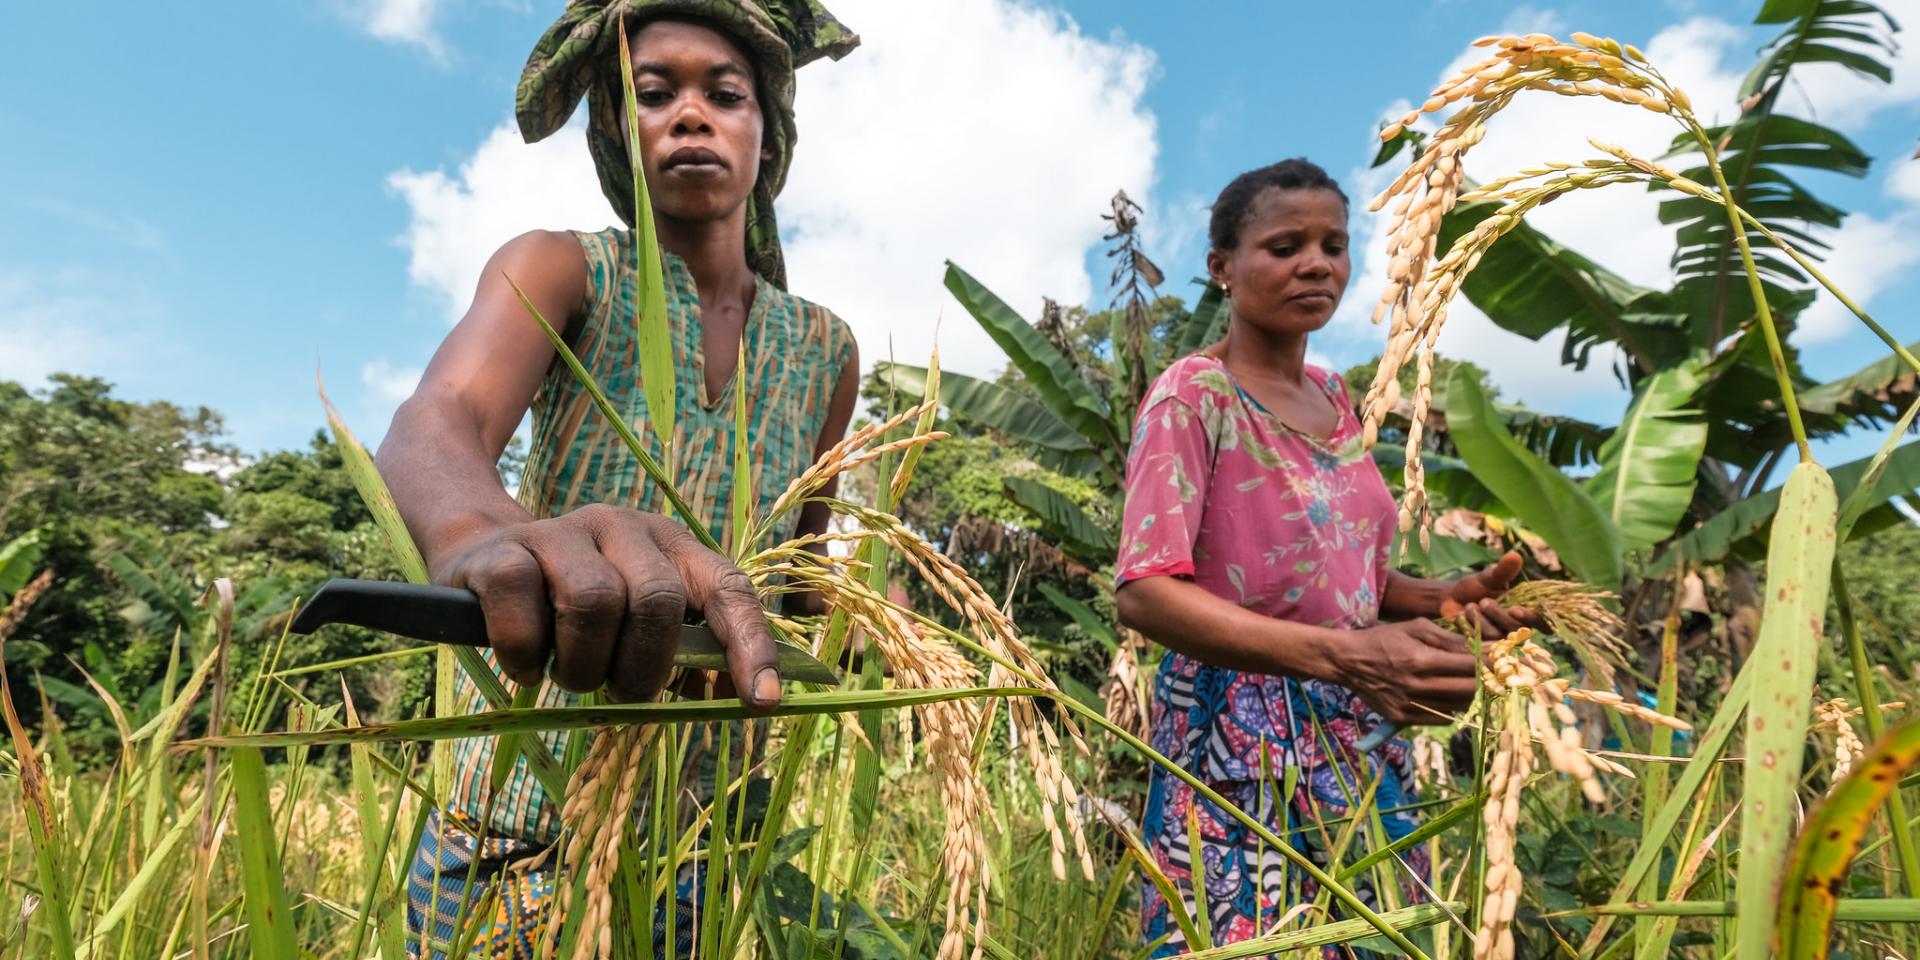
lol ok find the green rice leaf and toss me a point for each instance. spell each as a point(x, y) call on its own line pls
point(542, 719)
point(373, 491)
point(269, 918)
point(655, 335)
point(157, 861)
point(1809, 896)
point(1799, 562)
point(742, 462)
point(1340, 931)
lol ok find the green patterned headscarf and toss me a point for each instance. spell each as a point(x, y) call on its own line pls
point(580, 55)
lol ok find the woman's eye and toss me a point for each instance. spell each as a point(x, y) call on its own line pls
point(728, 97)
point(1284, 251)
point(653, 98)
point(1336, 249)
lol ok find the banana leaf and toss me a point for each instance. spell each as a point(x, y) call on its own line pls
point(1742, 527)
point(1647, 468)
point(19, 561)
point(1542, 497)
point(1060, 388)
point(1062, 519)
point(1208, 324)
point(991, 405)
point(1531, 285)
point(1095, 626)
point(1876, 393)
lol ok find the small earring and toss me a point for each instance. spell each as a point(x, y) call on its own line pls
point(1226, 290)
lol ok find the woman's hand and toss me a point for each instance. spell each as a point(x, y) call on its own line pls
point(1412, 672)
point(1476, 596)
point(602, 592)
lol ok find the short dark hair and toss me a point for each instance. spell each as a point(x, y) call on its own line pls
point(1235, 203)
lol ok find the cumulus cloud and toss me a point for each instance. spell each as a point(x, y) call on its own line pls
point(505, 189)
point(72, 321)
point(989, 132)
point(986, 132)
point(401, 21)
point(1869, 254)
point(388, 384)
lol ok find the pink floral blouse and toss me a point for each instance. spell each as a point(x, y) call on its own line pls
point(1220, 491)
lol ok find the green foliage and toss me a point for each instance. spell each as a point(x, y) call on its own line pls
point(1542, 497)
point(134, 507)
point(1881, 571)
point(1648, 466)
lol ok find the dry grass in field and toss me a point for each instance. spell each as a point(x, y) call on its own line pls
point(16, 612)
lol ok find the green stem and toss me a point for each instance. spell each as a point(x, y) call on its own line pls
point(1869, 698)
point(1899, 349)
point(1759, 292)
point(654, 470)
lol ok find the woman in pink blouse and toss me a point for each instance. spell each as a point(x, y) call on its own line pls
point(1255, 549)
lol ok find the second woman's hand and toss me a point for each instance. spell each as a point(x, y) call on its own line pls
point(1476, 597)
point(1412, 672)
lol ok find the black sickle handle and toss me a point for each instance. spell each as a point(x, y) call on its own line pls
point(453, 615)
point(420, 611)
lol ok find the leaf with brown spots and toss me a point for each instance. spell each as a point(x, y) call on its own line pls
point(1810, 892)
point(1799, 558)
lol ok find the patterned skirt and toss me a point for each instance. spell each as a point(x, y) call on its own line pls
point(511, 898)
point(1249, 886)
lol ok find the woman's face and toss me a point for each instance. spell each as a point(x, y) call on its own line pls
point(700, 122)
point(1290, 268)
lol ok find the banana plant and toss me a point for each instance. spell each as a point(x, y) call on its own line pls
point(1066, 421)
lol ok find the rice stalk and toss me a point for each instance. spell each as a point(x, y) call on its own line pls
point(1420, 284)
point(601, 795)
point(1530, 705)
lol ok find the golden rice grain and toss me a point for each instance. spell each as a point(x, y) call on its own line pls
point(1420, 287)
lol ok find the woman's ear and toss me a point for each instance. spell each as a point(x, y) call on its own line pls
point(1217, 264)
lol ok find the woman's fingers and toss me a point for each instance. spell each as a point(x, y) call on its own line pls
point(1438, 637)
point(1498, 619)
point(1490, 582)
point(726, 597)
point(513, 598)
point(589, 604)
point(656, 602)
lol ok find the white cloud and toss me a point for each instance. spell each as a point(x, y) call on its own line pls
point(388, 384)
point(987, 132)
point(1869, 254)
point(505, 189)
point(73, 321)
point(401, 21)
point(1903, 181)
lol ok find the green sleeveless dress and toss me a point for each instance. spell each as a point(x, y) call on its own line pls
point(795, 352)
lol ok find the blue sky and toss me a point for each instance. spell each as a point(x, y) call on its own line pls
point(205, 203)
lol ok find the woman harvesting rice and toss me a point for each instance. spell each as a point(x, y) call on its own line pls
point(583, 582)
point(1255, 549)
